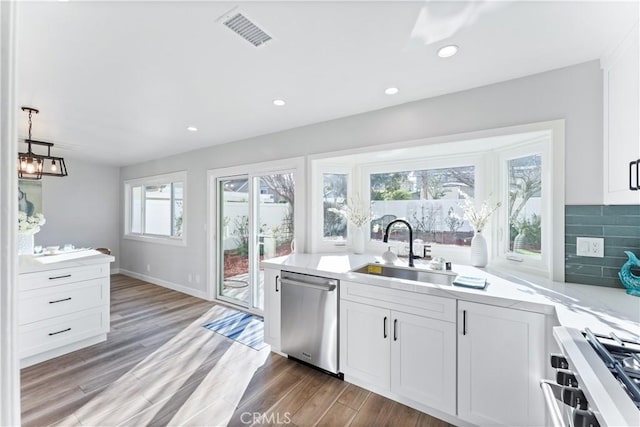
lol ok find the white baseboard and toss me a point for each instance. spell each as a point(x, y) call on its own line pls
point(115, 271)
point(164, 283)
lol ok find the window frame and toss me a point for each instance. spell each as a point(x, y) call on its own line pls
point(164, 179)
point(475, 159)
point(506, 257)
point(318, 242)
point(485, 143)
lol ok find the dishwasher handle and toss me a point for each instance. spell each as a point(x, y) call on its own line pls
point(330, 286)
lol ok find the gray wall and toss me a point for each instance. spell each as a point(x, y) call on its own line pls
point(573, 93)
point(82, 208)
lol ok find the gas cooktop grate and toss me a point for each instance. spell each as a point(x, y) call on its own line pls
point(622, 357)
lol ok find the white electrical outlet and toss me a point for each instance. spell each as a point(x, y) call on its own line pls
point(590, 246)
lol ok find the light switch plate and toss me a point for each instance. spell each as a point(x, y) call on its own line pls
point(590, 246)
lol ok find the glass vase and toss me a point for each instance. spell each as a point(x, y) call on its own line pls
point(25, 243)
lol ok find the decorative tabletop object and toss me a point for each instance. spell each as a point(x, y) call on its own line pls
point(359, 216)
point(478, 219)
point(389, 257)
point(628, 279)
point(28, 225)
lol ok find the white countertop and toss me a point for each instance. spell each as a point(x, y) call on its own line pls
point(601, 309)
point(36, 263)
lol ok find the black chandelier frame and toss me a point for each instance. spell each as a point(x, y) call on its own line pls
point(32, 165)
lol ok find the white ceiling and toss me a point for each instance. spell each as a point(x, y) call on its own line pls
point(119, 82)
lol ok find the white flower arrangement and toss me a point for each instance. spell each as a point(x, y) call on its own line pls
point(30, 224)
point(477, 218)
point(354, 211)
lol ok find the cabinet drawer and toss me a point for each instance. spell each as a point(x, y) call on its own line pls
point(54, 301)
point(46, 335)
point(404, 301)
point(61, 276)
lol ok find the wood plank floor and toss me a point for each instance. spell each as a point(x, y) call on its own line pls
point(160, 367)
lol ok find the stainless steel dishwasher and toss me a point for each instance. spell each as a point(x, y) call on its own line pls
point(310, 320)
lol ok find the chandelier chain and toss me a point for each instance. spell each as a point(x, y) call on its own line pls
point(30, 111)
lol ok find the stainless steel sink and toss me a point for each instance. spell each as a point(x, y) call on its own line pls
point(436, 277)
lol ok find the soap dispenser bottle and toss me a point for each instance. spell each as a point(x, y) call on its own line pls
point(389, 257)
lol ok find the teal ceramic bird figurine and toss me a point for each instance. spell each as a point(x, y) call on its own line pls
point(628, 279)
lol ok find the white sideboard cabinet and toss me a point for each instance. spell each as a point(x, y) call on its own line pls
point(62, 310)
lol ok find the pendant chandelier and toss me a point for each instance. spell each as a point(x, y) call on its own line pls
point(35, 166)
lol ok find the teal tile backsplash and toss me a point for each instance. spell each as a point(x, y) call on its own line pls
point(620, 227)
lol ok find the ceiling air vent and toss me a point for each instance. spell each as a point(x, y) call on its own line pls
point(241, 25)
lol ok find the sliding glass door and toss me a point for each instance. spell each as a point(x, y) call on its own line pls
point(234, 280)
point(255, 221)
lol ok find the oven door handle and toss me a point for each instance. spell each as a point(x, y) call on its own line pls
point(552, 394)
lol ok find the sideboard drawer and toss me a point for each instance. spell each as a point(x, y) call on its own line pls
point(48, 334)
point(419, 304)
point(61, 276)
point(54, 301)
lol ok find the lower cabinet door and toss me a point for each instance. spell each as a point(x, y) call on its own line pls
point(272, 308)
point(365, 332)
point(423, 360)
point(501, 354)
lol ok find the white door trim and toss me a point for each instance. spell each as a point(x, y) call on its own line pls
point(297, 165)
point(9, 364)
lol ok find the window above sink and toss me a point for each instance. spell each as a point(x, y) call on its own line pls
point(424, 182)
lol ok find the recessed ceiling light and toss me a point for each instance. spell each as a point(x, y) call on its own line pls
point(391, 90)
point(279, 102)
point(192, 129)
point(447, 51)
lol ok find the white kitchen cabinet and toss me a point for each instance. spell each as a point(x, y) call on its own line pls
point(621, 76)
point(408, 355)
point(423, 362)
point(364, 343)
point(62, 310)
point(501, 360)
point(272, 287)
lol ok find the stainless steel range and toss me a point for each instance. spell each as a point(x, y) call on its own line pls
point(597, 380)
